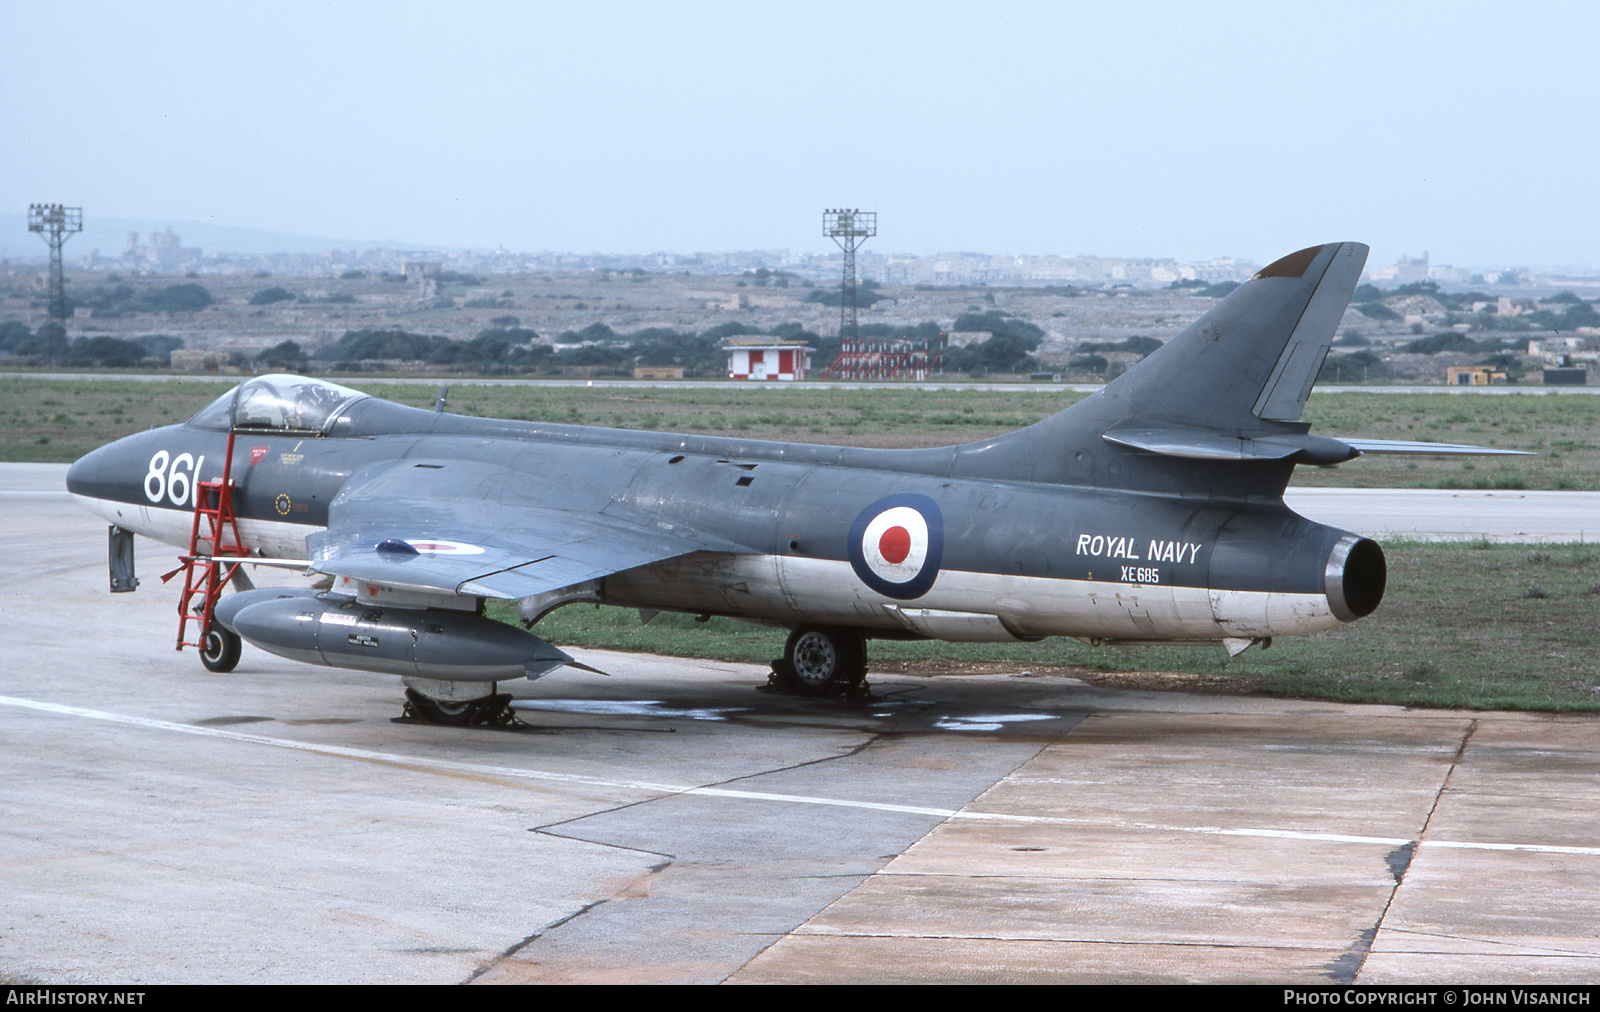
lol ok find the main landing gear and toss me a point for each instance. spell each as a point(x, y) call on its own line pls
point(822, 661)
point(453, 704)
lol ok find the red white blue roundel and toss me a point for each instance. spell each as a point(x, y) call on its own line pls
point(426, 546)
point(896, 545)
point(437, 546)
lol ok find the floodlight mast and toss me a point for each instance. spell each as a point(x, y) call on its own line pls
point(849, 227)
point(55, 223)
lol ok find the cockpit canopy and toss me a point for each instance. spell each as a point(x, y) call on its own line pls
point(278, 403)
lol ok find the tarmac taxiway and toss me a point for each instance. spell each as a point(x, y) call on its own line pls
point(672, 822)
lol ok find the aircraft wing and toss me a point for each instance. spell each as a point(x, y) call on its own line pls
point(447, 527)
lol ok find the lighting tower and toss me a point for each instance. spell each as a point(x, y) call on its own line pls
point(54, 224)
point(849, 227)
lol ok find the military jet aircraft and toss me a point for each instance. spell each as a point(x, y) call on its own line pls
point(1150, 511)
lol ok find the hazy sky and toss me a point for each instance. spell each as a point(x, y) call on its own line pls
point(1131, 129)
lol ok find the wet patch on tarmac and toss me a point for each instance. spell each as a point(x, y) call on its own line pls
point(626, 708)
point(893, 713)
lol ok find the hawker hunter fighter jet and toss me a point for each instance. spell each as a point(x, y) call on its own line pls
point(1151, 511)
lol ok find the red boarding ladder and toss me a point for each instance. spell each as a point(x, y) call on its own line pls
point(206, 573)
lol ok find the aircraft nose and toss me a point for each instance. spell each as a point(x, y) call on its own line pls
point(85, 471)
point(95, 473)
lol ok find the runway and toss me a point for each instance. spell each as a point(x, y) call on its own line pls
point(672, 823)
point(1429, 514)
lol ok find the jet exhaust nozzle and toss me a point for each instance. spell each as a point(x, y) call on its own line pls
point(1355, 578)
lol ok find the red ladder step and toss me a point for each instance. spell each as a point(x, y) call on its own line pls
point(206, 573)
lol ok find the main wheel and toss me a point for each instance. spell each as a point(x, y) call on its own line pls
point(820, 659)
point(491, 710)
point(219, 651)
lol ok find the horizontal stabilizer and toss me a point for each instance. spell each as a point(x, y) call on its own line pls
point(1409, 446)
point(1204, 444)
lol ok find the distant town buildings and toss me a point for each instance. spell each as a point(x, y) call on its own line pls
point(1473, 376)
point(1576, 376)
point(165, 251)
point(1565, 349)
point(658, 372)
point(1404, 271)
point(978, 268)
point(784, 274)
point(424, 274)
point(1409, 270)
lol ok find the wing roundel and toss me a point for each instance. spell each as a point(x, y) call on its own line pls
point(443, 527)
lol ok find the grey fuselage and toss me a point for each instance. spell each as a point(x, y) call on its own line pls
point(1181, 550)
point(1151, 510)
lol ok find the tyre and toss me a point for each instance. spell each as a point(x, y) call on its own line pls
point(219, 651)
point(819, 660)
point(491, 710)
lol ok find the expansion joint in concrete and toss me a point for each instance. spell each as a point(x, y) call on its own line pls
point(848, 753)
point(1399, 861)
point(519, 946)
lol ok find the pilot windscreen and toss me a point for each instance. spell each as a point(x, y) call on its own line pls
point(315, 404)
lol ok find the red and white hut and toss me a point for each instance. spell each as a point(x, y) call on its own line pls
point(767, 359)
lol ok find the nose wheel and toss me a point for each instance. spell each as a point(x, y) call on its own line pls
point(219, 651)
point(822, 661)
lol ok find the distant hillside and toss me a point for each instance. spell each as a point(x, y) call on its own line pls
point(110, 237)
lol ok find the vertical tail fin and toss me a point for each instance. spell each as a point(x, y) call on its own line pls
point(1230, 387)
point(1254, 357)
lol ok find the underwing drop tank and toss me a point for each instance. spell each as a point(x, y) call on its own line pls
point(342, 632)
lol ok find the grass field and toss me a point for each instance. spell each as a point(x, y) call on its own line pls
point(56, 420)
point(1470, 625)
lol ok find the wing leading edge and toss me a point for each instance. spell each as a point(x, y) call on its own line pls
point(443, 528)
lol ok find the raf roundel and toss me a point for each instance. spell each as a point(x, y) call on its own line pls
point(896, 545)
point(435, 546)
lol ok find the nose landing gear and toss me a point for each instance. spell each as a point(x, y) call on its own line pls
point(219, 649)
